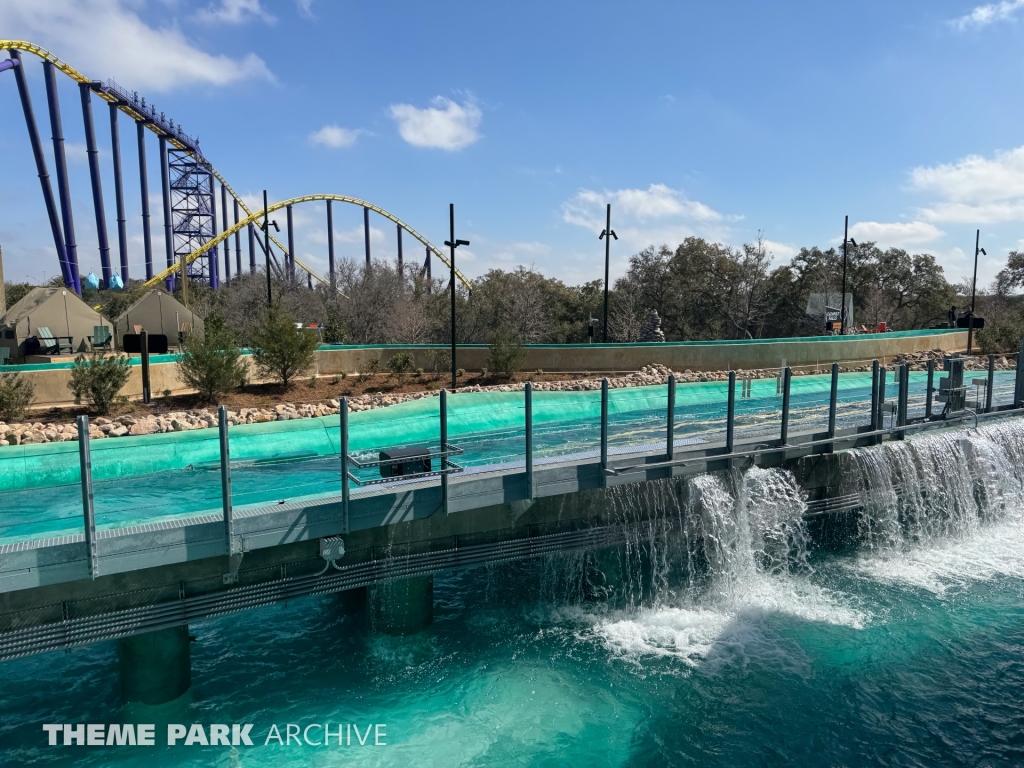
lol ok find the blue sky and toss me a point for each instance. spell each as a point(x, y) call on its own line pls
point(717, 119)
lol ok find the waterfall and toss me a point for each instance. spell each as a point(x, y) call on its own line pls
point(938, 486)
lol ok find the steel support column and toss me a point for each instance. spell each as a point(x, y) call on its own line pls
point(238, 244)
point(88, 507)
point(366, 232)
point(290, 261)
point(444, 449)
point(165, 190)
point(832, 398)
point(928, 392)
point(400, 266)
point(122, 225)
point(147, 238)
point(330, 246)
point(224, 228)
point(85, 89)
point(528, 434)
point(670, 419)
point(61, 166)
point(345, 491)
point(252, 249)
point(214, 254)
point(730, 414)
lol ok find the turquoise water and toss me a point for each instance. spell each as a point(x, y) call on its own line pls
point(639, 420)
point(902, 644)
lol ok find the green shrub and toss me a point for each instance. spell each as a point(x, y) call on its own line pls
point(16, 395)
point(400, 363)
point(507, 354)
point(460, 372)
point(370, 367)
point(280, 350)
point(440, 361)
point(98, 380)
point(211, 364)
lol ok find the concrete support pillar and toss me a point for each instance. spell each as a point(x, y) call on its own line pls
point(402, 607)
point(156, 667)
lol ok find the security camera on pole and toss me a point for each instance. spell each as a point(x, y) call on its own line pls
point(607, 234)
point(452, 245)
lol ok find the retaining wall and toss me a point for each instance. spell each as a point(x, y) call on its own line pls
point(51, 380)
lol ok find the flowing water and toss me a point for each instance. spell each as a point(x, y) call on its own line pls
point(721, 633)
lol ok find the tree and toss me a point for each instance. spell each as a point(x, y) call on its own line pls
point(210, 362)
point(99, 379)
point(280, 350)
point(507, 353)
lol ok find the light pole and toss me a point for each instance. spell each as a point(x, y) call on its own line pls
point(974, 289)
point(607, 234)
point(452, 245)
point(266, 245)
point(842, 296)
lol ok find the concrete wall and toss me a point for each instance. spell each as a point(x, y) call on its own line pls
point(696, 356)
point(51, 385)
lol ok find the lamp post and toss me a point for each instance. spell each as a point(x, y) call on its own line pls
point(266, 245)
point(974, 289)
point(842, 297)
point(607, 234)
point(452, 245)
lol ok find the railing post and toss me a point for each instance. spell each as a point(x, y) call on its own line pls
point(604, 427)
point(928, 393)
point(225, 478)
point(787, 377)
point(528, 412)
point(343, 416)
point(874, 395)
point(444, 449)
point(670, 425)
point(88, 508)
point(832, 398)
point(903, 401)
point(1018, 381)
point(991, 383)
point(144, 341)
point(883, 372)
point(730, 414)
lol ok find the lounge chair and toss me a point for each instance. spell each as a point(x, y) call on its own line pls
point(49, 344)
point(101, 337)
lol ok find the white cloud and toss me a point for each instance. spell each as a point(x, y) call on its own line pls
point(107, 38)
point(635, 206)
point(983, 15)
point(305, 8)
point(334, 136)
point(976, 189)
point(446, 125)
point(783, 251)
point(895, 234)
point(235, 12)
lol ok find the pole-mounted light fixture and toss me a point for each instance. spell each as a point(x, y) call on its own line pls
point(452, 245)
point(847, 240)
point(265, 226)
point(974, 289)
point(607, 234)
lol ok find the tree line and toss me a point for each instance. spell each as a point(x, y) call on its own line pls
point(701, 291)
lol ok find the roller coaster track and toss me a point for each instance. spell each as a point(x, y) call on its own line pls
point(181, 141)
point(254, 218)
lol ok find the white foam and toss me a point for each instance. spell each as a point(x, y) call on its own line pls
point(735, 627)
point(993, 550)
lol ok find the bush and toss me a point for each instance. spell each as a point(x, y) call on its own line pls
point(370, 367)
point(440, 361)
point(400, 362)
point(280, 350)
point(507, 354)
point(460, 372)
point(98, 380)
point(211, 364)
point(16, 395)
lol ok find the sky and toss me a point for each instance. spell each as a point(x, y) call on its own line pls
point(724, 120)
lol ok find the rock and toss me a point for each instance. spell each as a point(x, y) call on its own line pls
point(144, 427)
point(118, 431)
